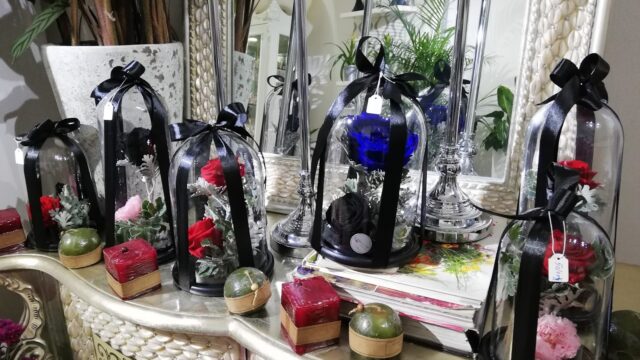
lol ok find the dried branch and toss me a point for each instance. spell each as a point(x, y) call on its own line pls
point(92, 21)
point(106, 21)
point(148, 22)
point(74, 15)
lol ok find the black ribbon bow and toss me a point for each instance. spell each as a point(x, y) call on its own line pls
point(562, 202)
point(47, 129)
point(121, 80)
point(231, 119)
point(34, 140)
point(392, 87)
point(581, 86)
point(442, 73)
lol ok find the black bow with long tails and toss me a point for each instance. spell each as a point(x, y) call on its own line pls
point(581, 86)
point(391, 88)
point(113, 89)
point(34, 140)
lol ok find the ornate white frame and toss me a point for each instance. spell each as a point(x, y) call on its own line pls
point(553, 30)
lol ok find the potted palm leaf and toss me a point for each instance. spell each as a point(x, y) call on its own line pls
point(346, 57)
point(97, 35)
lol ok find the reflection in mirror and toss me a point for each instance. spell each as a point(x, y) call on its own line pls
point(418, 36)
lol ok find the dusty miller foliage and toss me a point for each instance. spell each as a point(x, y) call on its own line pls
point(150, 225)
point(73, 212)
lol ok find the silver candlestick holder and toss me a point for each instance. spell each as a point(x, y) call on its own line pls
point(450, 216)
point(467, 146)
point(290, 237)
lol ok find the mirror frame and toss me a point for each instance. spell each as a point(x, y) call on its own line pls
point(579, 31)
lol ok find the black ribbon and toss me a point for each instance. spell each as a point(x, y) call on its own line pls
point(231, 120)
point(561, 203)
point(277, 83)
point(391, 88)
point(122, 79)
point(34, 140)
point(581, 86)
point(442, 73)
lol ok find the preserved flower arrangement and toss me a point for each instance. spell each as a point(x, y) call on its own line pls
point(133, 125)
point(63, 203)
point(553, 281)
point(218, 193)
point(367, 202)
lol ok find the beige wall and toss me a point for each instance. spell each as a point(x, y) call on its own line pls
point(622, 51)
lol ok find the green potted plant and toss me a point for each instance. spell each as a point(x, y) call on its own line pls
point(97, 35)
point(346, 57)
point(495, 128)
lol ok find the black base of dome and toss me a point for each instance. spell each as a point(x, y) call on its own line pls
point(396, 258)
point(51, 246)
point(166, 256)
point(216, 289)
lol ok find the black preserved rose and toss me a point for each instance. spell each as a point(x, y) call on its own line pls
point(138, 144)
point(347, 216)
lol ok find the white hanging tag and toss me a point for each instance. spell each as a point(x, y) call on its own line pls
point(108, 111)
point(19, 156)
point(374, 104)
point(558, 268)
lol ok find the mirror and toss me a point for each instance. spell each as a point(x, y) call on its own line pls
point(417, 34)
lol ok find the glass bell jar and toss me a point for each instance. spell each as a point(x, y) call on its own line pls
point(59, 184)
point(219, 196)
point(133, 129)
point(370, 171)
point(589, 139)
point(552, 290)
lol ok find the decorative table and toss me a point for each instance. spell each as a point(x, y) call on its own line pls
point(172, 324)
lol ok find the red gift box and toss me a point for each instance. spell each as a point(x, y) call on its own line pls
point(309, 314)
point(11, 233)
point(132, 268)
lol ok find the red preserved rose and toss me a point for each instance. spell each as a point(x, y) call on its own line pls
point(202, 230)
point(212, 172)
point(586, 174)
point(580, 254)
point(47, 203)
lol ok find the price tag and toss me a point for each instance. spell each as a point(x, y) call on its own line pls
point(19, 156)
point(108, 111)
point(374, 104)
point(558, 269)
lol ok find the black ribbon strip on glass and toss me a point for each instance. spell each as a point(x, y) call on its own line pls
point(391, 88)
point(277, 83)
point(561, 203)
point(123, 79)
point(231, 119)
point(579, 86)
point(84, 182)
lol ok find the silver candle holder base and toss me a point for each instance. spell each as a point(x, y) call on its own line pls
point(450, 216)
point(467, 151)
point(290, 236)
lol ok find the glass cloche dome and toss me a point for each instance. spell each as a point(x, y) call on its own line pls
point(59, 183)
point(552, 289)
point(219, 197)
point(370, 173)
point(132, 121)
point(589, 140)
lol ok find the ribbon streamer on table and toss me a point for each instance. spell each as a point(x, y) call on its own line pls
point(561, 203)
point(391, 88)
point(231, 119)
point(84, 183)
point(579, 86)
point(122, 79)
